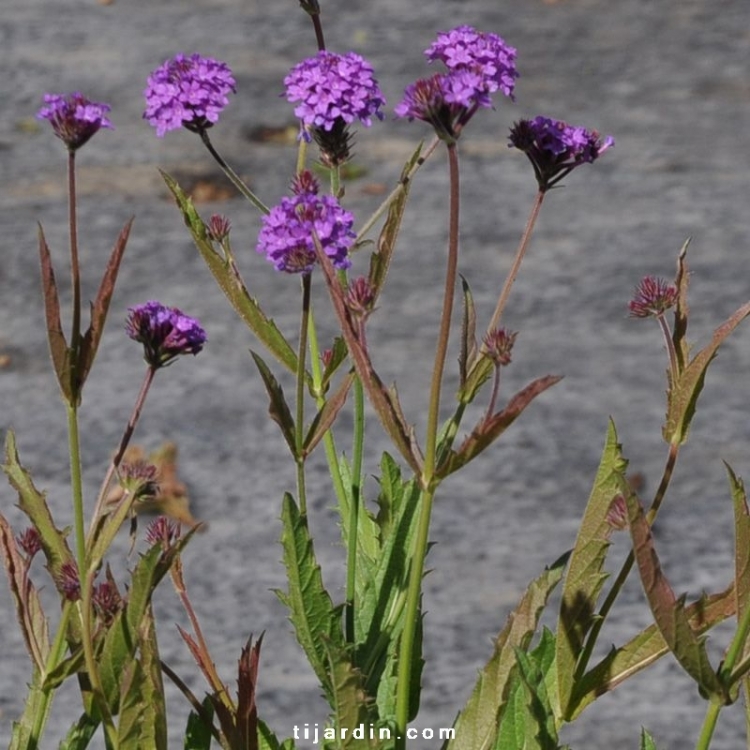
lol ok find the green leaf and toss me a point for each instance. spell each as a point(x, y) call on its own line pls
point(80, 734)
point(476, 725)
point(468, 334)
point(647, 741)
point(100, 307)
point(29, 613)
point(198, 734)
point(669, 612)
point(35, 713)
point(327, 415)
point(317, 623)
point(686, 384)
point(380, 260)
point(58, 346)
point(647, 647)
point(267, 739)
point(278, 409)
point(490, 429)
point(230, 281)
point(586, 576)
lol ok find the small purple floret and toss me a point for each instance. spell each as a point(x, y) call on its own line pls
point(165, 332)
point(187, 92)
point(74, 118)
point(331, 87)
point(287, 237)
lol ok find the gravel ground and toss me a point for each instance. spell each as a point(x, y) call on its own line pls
point(669, 80)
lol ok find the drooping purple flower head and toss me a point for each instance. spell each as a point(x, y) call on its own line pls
point(331, 88)
point(74, 118)
point(652, 298)
point(479, 65)
point(187, 92)
point(556, 148)
point(484, 54)
point(289, 231)
point(165, 332)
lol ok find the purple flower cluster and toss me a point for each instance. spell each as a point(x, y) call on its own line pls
point(331, 88)
point(556, 148)
point(483, 58)
point(290, 230)
point(479, 65)
point(187, 92)
point(165, 332)
point(74, 118)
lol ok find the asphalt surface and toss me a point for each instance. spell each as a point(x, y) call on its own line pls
point(668, 80)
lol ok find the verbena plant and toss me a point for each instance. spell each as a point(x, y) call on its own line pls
point(365, 650)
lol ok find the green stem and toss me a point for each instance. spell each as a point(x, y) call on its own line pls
point(627, 566)
point(522, 248)
point(421, 544)
point(76, 485)
point(75, 272)
point(357, 450)
point(232, 175)
point(299, 422)
point(709, 724)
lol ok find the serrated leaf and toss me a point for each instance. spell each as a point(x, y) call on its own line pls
point(80, 734)
point(489, 430)
point(35, 713)
point(686, 384)
point(316, 621)
point(33, 623)
point(100, 307)
point(58, 345)
point(476, 725)
point(647, 647)
point(230, 282)
point(380, 260)
point(647, 741)
point(669, 611)
point(586, 576)
point(278, 409)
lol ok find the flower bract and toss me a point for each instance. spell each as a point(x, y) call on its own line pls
point(291, 229)
point(74, 118)
point(331, 88)
point(165, 332)
point(187, 92)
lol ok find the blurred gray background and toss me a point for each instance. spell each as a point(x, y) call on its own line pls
point(669, 80)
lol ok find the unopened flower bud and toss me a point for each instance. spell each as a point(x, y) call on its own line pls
point(617, 515)
point(30, 542)
point(218, 227)
point(652, 298)
point(139, 479)
point(360, 298)
point(162, 531)
point(69, 582)
point(499, 345)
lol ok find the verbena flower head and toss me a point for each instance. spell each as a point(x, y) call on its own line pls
point(162, 531)
point(30, 542)
point(499, 345)
point(288, 235)
point(652, 298)
point(485, 55)
point(332, 88)
point(187, 92)
point(165, 332)
point(479, 65)
point(74, 118)
point(556, 148)
point(69, 582)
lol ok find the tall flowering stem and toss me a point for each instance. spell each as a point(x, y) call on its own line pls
point(428, 482)
point(300, 407)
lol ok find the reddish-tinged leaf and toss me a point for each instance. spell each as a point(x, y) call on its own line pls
point(278, 408)
point(488, 430)
point(669, 612)
point(646, 648)
point(384, 400)
point(34, 626)
point(682, 280)
point(58, 346)
point(468, 334)
point(326, 416)
point(100, 307)
point(247, 711)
